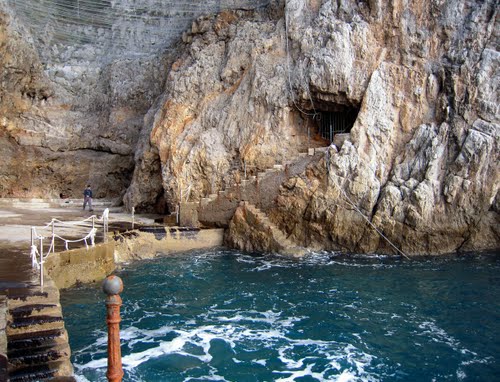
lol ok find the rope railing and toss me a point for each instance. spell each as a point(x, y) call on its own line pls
point(39, 254)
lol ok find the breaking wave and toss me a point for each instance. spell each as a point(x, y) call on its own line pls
point(228, 316)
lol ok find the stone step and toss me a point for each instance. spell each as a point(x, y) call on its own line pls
point(79, 202)
point(33, 296)
point(34, 310)
point(288, 247)
point(281, 237)
point(25, 341)
point(38, 356)
point(34, 203)
point(52, 371)
point(34, 324)
point(321, 149)
point(294, 166)
point(32, 373)
point(33, 206)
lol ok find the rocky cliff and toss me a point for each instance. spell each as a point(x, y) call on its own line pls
point(421, 162)
point(78, 79)
point(248, 89)
point(67, 123)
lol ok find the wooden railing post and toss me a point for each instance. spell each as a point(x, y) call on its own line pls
point(112, 286)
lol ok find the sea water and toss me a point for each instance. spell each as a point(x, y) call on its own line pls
point(224, 315)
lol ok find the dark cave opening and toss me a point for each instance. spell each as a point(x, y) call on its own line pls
point(332, 122)
point(328, 119)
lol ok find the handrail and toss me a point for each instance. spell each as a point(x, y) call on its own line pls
point(38, 255)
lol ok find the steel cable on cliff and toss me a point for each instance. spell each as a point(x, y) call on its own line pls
point(315, 113)
point(344, 194)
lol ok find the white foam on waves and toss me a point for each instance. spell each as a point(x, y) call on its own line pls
point(299, 357)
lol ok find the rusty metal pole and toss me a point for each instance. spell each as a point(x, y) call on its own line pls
point(112, 286)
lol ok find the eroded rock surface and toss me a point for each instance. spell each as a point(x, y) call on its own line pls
point(245, 91)
point(71, 121)
point(77, 83)
point(421, 163)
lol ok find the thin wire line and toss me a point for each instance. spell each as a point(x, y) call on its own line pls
point(367, 220)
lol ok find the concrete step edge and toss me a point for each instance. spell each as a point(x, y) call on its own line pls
point(43, 326)
point(61, 346)
point(48, 372)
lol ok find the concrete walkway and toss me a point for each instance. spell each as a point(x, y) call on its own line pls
point(16, 220)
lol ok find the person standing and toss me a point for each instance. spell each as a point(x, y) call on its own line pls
point(87, 198)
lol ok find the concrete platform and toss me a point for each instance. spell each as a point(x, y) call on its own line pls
point(17, 216)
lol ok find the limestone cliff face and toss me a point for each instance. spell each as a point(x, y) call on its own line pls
point(244, 91)
point(69, 120)
point(421, 162)
point(225, 107)
point(78, 80)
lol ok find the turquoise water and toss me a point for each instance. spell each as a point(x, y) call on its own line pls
point(228, 316)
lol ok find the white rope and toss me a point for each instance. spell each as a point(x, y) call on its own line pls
point(71, 223)
point(34, 261)
point(105, 215)
point(49, 225)
point(90, 236)
point(37, 236)
point(38, 265)
point(51, 248)
point(35, 253)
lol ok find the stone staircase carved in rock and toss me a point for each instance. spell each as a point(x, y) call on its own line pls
point(37, 341)
point(260, 190)
point(276, 240)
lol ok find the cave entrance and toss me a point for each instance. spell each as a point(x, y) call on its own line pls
point(331, 123)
